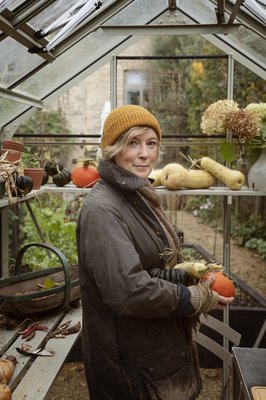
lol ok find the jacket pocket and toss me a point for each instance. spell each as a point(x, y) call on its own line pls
point(167, 373)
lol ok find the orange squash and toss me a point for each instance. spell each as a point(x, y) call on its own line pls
point(222, 285)
point(85, 175)
point(5, 392)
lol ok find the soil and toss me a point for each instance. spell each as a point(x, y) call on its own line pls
point(70, 383)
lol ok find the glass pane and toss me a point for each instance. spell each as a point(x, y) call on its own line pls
point(9, 109)
point(16, 63)
point(86, 52)
point(248, 41)
point(50, 14)
point(245, 40)
point(15, 4)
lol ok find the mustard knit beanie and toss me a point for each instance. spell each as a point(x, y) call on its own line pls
point(121, 119)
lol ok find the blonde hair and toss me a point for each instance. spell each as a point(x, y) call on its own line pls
point(110, 152)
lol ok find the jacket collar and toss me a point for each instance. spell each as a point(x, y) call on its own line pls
point(119, 177)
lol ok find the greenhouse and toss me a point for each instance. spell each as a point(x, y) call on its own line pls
point(146, 124)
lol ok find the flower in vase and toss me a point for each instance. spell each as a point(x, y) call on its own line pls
point(214, 117)
point(259, 140)
point(244, 125)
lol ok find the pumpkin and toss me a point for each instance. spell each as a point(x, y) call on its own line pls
point(85, 176)
point(222, 285)
point(24, 185)
point(62, 178)
point(53, 167)
point(5, 392)
point(45, 178)
point(7, 366)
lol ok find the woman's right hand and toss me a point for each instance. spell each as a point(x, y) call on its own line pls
point(203, 299)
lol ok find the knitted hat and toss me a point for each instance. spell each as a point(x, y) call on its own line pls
point(121, 119)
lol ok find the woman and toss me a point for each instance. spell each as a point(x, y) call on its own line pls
point(137, 341)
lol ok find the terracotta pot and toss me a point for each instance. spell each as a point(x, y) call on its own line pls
point(12, 155)
point(36, 174)
point(12, 145)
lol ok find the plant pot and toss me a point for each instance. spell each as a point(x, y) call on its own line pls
point(12, 156)
point(36, 174)
point(12, 145)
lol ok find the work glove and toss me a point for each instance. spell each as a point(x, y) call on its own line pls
point(203, 299)
point(171, 275)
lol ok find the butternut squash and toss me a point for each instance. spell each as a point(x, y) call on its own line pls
point(173, 176)
point(196, 269)
point(232, 178)
point(199, 179)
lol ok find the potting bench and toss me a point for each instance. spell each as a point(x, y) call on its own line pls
point(34, 375)
point(249, 373)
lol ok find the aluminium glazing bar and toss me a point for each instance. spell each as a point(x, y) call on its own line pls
point(63, 19)
point(4, 4)
point(113, 82)
point(220, 12)
point(87, 27)
point(227, 222)
point(22, 98)
point(149, 30)
point(31, 9)
point(235, 10)
point(253, 24)
point(81, 15)
point(22, 37)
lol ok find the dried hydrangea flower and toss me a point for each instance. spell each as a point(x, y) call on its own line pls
point(243, 123)
point(214, 117)
point(259, 109)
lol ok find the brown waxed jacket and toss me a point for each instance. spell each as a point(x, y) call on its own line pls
point(133, 341)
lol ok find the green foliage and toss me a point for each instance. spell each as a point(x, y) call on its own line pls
point(258, 245)
point(57, 228)
point(251, 233)
point(45, 122)
point(200, 83)
point(207, 209)
point(249, 228)
point(247, 232)
point(228, 151)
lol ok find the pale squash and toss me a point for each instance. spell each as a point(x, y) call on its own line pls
point(173, 176)
point(232, 178)
point(199, 179)
point(156, 175)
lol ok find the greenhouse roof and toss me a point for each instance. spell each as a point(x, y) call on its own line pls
point(48, 46)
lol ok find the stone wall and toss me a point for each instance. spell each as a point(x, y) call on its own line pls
point(84, 104)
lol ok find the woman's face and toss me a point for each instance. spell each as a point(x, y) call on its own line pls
point(140, 154)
